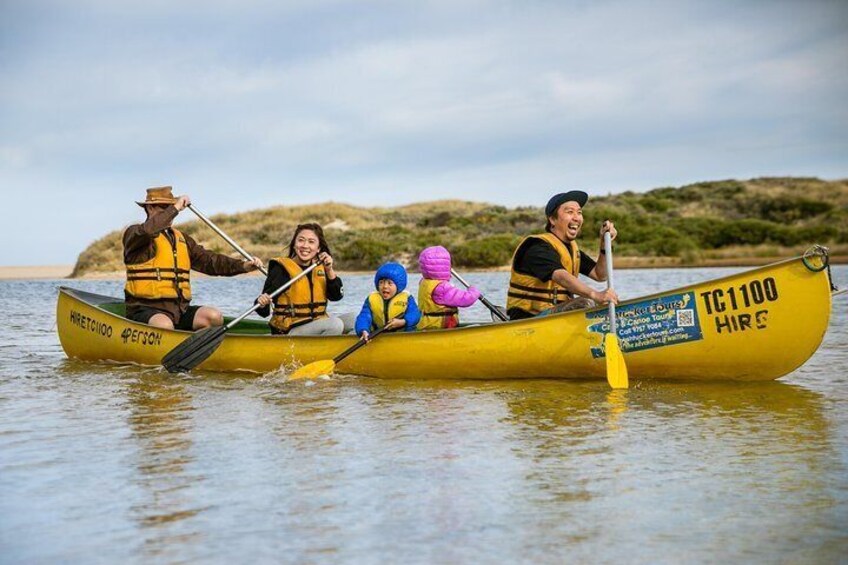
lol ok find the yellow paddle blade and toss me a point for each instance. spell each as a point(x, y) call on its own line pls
point(616, 368)
point(314, 370)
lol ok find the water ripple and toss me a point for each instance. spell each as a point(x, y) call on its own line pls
point(112, 463)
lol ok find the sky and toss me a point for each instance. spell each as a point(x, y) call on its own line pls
point(254, 103)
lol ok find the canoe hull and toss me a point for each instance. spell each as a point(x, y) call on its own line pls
point(756, 325)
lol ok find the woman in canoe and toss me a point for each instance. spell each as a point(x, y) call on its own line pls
point(302, 309)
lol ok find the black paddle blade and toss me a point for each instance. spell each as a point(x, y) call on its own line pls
point(195, 350)
point(503, 317)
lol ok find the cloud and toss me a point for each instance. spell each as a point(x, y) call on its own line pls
point(254, 103)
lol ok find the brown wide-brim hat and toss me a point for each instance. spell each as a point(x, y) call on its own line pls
point(158, 195)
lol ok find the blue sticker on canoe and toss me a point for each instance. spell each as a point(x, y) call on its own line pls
point(662, 321)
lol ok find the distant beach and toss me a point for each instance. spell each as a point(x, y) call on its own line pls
point(41, 272)
point(31, 272)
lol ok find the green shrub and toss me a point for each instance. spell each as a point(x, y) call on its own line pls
point(787, 209)
point(492, 251)
point(364, 253)
point(438, 220)
point(652, 204)
point(664, 241)
point(749, 232)
point(264, 237)
point(814, 234)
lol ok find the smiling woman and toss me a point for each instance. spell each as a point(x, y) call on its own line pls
point(302, 310)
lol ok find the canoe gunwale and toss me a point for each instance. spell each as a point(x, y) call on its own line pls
point(561, 345)
point(97, 300)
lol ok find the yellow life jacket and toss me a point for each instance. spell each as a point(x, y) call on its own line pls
point(533, 295)
point(381, 312)
point(166, 275)
point(434, 316)
point(304, 301)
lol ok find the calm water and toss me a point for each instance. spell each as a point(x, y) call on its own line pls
point(106, 464)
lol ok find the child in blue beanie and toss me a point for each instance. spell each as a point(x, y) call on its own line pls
point(388, 304)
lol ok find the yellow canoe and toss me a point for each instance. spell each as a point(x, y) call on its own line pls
point(756, 325)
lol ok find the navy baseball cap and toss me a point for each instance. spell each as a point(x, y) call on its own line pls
point(558, 199)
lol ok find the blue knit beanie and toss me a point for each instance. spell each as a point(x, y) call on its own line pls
point(392, 271)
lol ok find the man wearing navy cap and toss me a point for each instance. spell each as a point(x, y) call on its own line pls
point(546, 267)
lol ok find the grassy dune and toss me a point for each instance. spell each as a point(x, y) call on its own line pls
point(709, 223)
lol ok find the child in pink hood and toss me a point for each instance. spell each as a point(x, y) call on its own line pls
point(438, 299)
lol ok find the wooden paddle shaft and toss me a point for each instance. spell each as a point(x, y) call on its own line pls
point(227, 238)
point(362, 342)
point(482, 298)
point(608, 250)
point(358, 344)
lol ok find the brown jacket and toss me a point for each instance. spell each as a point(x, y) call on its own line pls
point(139, 247)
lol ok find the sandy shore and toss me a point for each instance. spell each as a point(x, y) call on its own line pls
point(36, 272)
point(41, 272)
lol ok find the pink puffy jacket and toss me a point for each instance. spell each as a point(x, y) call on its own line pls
point(435, 263)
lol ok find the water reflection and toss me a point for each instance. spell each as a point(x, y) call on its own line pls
point(161, 421)
point(568, 462)
point(766, 445)
point(617, 401)
point(756, 418)
point(342, 469)
point(365, 449)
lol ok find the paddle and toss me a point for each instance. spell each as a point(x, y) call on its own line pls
point(227, 238)
point(496, 310)
point(616, 368)
point(196, 349)
point(327, 366)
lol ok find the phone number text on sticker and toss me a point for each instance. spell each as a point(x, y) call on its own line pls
point(667, 320)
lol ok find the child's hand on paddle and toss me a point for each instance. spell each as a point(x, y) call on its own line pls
point(396, 324)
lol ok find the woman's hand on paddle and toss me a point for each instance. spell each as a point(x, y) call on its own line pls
point(395, 324)
point(256, 263)
point(605, 296)
point(327, 259)
point(264, 300)
point(364, 336)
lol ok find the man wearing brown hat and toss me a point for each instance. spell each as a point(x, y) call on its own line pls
point(546, 267)
point(159, 259)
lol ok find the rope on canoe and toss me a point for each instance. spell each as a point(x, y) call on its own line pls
point(817, 259)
